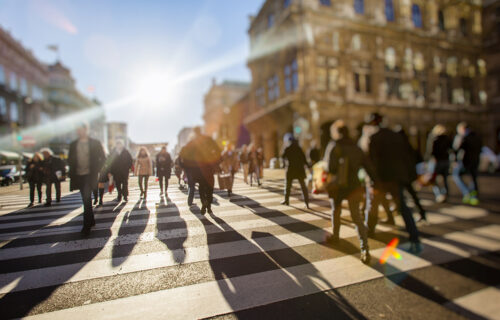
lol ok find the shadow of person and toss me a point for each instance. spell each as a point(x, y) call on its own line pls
point(132, 226)
point(37, 281)
point(172, 233)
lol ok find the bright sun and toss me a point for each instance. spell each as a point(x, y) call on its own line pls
point(154, 89)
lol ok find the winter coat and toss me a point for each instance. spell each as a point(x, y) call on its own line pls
point(97, 157)
point(469, 151)
point(163, 165)
point(296, 160)
point(50, 166)
point(143, 166)
point(34, 171)
point(254, 160)
point(229, 161)
point(441, 146)
point(243, 157)
point(201, 153)
point(121, 165)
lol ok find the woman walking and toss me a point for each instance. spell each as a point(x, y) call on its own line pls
point(253, 164)
point(229, 164)
point(163, 169)
point(143, 169)
point(34, 175)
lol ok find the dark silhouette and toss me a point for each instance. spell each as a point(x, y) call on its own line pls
point(120, 169)
point(54, 171)
point(34, 175)
point(295, 169)
point(164, 169)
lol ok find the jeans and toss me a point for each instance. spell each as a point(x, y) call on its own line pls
point(288, 186)
point(38, 186)
point(460, 169)
point(86, 193)
point(191, 187)
point(121, 184)
point(206, 182)
point(163, 180)
point(143, 184)
point(354, 199)
point(416, 200)
point(374, 200)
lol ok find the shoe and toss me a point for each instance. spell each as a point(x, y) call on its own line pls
point(47, 204)
point(285, 203)
point(466, 199)
point(161, 193)
point(333, 239)
point(126, 199)
point(30, 205)
point(422, 219)
point(117, 199)
point(389, 221)
point(441, 198)
point(95, 202)
point(259, 184)
point(307, 205)
point(85, 231)
point(92, 224)
point(209, 210)
point(474, 201)
point(228, 193)
point(58, 200)
point(203, 210)
point(415, 247)
point(365, 256)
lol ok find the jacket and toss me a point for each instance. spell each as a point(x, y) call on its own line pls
point(50, 166)
point(296, 160)
point(97, 158)
point(229, 161)
point(163, 165)
point(202, 153)
point(143, 166)
point(441, 146)
point(34, 171)
point(469, 151)
point(121, 165)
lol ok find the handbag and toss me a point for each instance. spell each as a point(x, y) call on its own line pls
point(224, 180)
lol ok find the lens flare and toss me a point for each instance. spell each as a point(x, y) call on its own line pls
point(389, 251)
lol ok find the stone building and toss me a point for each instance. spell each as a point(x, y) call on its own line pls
point(218, 101)
point(314, 61)
point(183, 138)
point(232, 127)
point(23, 79)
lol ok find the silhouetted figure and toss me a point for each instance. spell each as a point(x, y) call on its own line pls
point(254, 162)
point(54, 171)
point(243, 157)
point(85, 159)
point(120, 169)
point(344, 160)
point(201, 156)
point(439, 147)
point(229, 164)
point(295, 168)
point(391, 158)
point(314, 154)
point(163, 169)
point(34, 176)
point(467, 145)
point(143, 169)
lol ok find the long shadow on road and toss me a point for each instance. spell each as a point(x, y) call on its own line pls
point(175, 242)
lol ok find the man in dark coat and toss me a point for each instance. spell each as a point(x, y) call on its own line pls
point(391, 157)
point(296, 161)
point(163, 169)
point(120, 170)
point(85, 159)
point(467, 146)
point(202, 156)
point(54, 172)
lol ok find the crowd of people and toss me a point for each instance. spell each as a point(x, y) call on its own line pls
point(376, 169)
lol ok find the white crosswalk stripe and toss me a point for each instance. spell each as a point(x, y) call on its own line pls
point(251, 252)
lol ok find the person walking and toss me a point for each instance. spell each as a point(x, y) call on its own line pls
point(143, 169)
point(34, 175)
point(345, 159)
point(391, 157)
point(467, 146)
point(120, 169)
point(260, 159)
point(54, 171)
point(229, 164)
point(163, 169)
point(295, 168)
point(203, 157)
point(103, 180)
point(179, 172)
point(253, 164)
point(439, 148)
point(85, 159)
point(243, 157)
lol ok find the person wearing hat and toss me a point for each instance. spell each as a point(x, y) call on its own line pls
point(295, 168)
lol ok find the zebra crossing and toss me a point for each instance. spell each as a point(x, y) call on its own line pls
point(162, 259)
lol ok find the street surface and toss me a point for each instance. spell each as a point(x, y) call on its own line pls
point(253, 258)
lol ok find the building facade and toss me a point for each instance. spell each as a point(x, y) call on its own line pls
point(116, 131)
point(314, 61)
point(23, 80)
point(218, 102)
point(183, 138)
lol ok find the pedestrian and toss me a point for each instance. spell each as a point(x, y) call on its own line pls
point(390, 155)
point(202, 155)
point(179, 172)
point(439, 148)
point(189, 166)
point(34, 176)
point(143, 169)
point(85, 159)
point(103, 180)
point(313, 153)
point(163, 169)
point(295, 168)
point(345, 159)
point(120, 168)
point(467, 146)
point(54, 171)
point(229, 165)
point(243, 157)
point(260, 159)
point(253, 164)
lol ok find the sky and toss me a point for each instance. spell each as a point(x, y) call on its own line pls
point(150, 62)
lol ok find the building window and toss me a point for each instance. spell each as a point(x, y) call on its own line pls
point(327, 74)
point(463, 26)
point(23, 87)
point(416, 16)
point(325, 2)
point(273, 88)
point(14, 113)
point(359, 6)
point(470, 98)
point(260, 97)
point(286, 3)
point(362, 77)
point(3, 107)
point(392, 74)
point(291, 77)
point(446, 88)
point(2, 75)
point(270, 20)
point(441, 20)
point(389, 10)
point(13, 81)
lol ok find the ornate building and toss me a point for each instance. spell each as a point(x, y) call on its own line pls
point(313, 61)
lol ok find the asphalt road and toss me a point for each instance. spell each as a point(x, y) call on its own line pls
point(253, 258)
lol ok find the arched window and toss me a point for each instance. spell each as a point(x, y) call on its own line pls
point(359, 6)
point(416, 16)
point(389, 10)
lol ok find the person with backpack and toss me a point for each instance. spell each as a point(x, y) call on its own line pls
point(345, 159)
point(295, 168)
